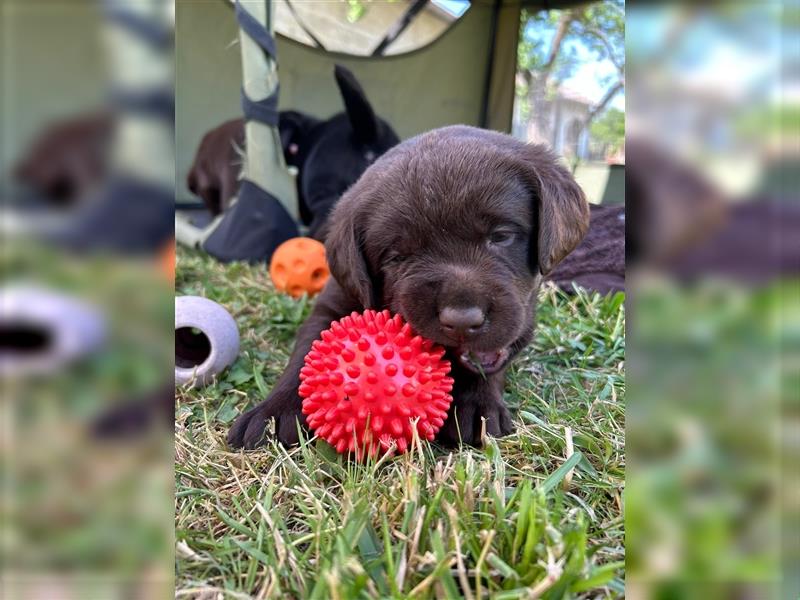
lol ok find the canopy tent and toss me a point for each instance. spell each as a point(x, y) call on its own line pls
point(464, 75)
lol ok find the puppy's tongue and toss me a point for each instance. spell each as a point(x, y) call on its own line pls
point(483, 362)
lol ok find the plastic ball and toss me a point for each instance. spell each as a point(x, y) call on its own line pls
point(369, 383)
point(166, 260)
point(206, 340)
point(45, 330)
point(298, 267)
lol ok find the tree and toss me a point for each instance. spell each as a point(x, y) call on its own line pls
point(599, 27)
point(609, 129)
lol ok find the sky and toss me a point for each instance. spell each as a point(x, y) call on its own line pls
point(589, 76)
point(454, 7)
point(738, 56)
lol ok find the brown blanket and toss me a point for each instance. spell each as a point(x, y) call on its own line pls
point(598, 263)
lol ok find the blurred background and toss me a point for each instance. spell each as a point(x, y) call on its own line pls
point(86, 299)
point(712, 276)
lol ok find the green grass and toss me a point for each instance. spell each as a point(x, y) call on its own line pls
point(523, 517)
point(90, 517)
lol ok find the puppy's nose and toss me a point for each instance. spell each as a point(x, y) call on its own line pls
point(461, 321)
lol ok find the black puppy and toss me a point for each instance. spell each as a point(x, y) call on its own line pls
point(453, 230)
point(330, 154)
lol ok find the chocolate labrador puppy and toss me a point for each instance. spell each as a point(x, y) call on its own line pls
point(214, 175)
point(454, 230)
point(68, 158)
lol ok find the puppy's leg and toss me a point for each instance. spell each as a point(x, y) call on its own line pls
point(498, 418)
point(284, 404)
point(474, 399)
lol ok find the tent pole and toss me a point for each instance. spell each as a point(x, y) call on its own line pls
point(263, 162)
point(487, 82)
point(498, 100)
point(137, 67)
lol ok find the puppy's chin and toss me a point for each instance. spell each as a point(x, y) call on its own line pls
point(483, 363)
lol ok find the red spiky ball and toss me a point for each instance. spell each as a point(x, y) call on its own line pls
point(370, 381)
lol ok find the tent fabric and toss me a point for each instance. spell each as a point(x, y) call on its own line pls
point(253, 227)
point(158, 103)
point(154, 33)
point(127, 216)
point(263, 111)
point(455, 66)
point(443, 83)
point(257, 32)
point(263, 161)
point(440, 84)
point(257, 222)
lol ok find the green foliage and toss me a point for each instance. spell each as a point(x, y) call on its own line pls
point(599, 26)
point(716, 375)
point(501, 521)
point(547, 50)
point(609, 128)
point(531, 51)
point(781, 119)
point(355, 10)
point(68, 495)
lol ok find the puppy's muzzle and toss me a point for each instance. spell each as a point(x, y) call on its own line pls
point(461, 323)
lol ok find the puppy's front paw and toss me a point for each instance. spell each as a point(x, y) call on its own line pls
point(249, 429)
point(498, 419)
point(464, 422)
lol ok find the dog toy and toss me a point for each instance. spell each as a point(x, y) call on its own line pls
point(206, 340)
point(166, 260)
point(43, 330)
point(298, 267)
point(369, 383)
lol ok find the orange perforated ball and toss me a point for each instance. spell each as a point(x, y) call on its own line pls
point(298, 267)
point(166, 260)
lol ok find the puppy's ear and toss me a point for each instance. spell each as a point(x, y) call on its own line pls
point(563, 213)
point(359, 110)
point(345, 253)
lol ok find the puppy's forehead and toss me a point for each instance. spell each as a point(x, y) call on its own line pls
point(457, 189)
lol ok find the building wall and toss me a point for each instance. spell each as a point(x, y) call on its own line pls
point(551, 125)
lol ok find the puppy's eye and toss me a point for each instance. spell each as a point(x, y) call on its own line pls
point(394, 259)
point(502, 238)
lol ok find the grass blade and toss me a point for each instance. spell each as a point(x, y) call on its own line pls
point(557, 476)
